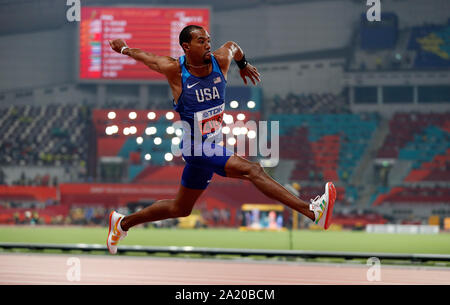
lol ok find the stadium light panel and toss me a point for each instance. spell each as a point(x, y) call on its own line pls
point(240, 116)
point(170, 115)
point(251, 134)
point(132, 115)
point(168, 157)
point(231, 141)
point(111, 115)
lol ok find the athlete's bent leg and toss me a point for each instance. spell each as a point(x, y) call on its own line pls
point(181, 206)
point(238, 167)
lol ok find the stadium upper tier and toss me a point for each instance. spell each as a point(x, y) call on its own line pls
point(309, 103)
point(419, 47)
point(43, 135)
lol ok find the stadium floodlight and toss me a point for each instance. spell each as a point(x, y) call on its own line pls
point(111, 115)
point(251, 134)
point(240, 116)
point(150, 130)
point(151, 115)
point(170, 130)
point(179, 132)
point(231, 141)
point(170, 115)
point(148, 157)
point(157, 141)
point(126, 131)
point(139, 140)
point(236, 131)
point(251, 104)
point(132, 115)
point(244, 130)
point(226, 130)
point(133, 130)
point(228, 118)
point(168, 157)
point(110, 130)
point(234, 104)
point(176, 141)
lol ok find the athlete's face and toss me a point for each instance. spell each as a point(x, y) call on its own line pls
point(199, 48)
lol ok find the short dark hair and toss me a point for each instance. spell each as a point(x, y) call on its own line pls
point(185, 34)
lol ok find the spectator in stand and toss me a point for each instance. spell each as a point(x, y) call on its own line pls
point(88, 215)
point(319, 176)
point(2, 176)
point(35, 219)
point(216, 216)
point(45, 180)
point(22, 180)
point(362, 66)
point(27, 217)
point(345, 176)
point(16, 217)
point(225, 215)
point(378, 63)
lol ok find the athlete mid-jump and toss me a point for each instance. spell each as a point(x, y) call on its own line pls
point(197, 80)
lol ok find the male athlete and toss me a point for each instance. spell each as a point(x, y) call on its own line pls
point(197, 80)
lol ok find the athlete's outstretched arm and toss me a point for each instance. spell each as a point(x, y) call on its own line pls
point(231, 50)
point(161, 64)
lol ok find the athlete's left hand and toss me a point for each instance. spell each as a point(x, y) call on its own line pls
point(250, 72)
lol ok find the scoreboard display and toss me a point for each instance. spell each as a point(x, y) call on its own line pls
point(154, 30)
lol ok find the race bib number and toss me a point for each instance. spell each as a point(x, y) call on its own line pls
point(210, 120)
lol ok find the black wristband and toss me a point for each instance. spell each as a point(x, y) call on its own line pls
point(242, 63)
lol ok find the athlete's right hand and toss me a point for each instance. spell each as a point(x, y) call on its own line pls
point(117, 44)
point(251, 72)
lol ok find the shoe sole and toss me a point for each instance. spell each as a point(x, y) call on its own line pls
point(332, 198)
point(109, 231)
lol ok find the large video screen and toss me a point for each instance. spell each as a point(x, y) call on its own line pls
point(153, 30)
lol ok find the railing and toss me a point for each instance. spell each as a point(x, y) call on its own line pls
point(226, 251)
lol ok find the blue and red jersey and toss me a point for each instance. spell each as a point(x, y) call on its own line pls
point(202, 101)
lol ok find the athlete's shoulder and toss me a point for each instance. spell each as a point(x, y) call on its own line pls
point(172, 69)
point(224, 56)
